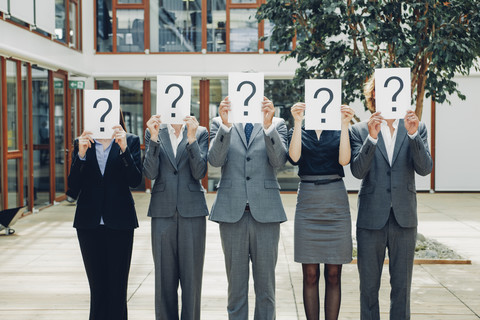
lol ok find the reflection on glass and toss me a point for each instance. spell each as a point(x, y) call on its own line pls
point(243, 30)
point(41, 141)
point(104, 26)
point(26, 136)
point(12, 111)
point(269, 44)
point(244, 1)
point(175, 26)
point(72, 16)
point(129, 1)
point(216, 26)
point(59, 139)
point(130, 30)
point(218, 91)
point(104, 84)
point(131, 102)
point(60, 20)
point(13, 185)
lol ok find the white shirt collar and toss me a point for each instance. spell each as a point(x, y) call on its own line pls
point(171, 130)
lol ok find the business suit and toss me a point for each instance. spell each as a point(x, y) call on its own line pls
point(387, 213)
point(178, 209)
point(106, 249)
point(249, 176)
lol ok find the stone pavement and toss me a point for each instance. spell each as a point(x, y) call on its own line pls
point(42, 275)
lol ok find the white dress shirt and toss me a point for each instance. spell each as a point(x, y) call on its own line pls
point(173, 138)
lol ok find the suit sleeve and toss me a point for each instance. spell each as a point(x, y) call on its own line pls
point(197, 155)
point(276, 144)
point(132, 162)
point(75, 178)
point(219, 144)
point(422, 160)
point(152, 160)
point(363, 152)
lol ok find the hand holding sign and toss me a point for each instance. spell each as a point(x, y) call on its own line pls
point(245, 91)
point(153, 125)
point(173, 98)
point(102, 112)
point(323, 100)
point(411, 122)
point(392, 92)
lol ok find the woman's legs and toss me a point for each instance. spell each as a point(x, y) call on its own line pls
point(311, 274)
point(333, 292)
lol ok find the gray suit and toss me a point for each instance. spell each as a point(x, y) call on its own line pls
point(249, 176)
point(387, 214)
point(178, 209)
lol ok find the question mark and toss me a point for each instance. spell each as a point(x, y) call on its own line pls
point(174, 103)
point(254, 90)
point(324, 108)
point(102, 118)
point(394, 97)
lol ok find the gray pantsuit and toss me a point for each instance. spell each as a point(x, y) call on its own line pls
point(387, 214)
point(249, 176)
point(178, 209)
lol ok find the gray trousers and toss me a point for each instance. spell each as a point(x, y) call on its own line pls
point(178, 246)
point(243, 241)
point(371, 255)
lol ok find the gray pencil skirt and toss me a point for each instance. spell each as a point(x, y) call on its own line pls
point(322, 222)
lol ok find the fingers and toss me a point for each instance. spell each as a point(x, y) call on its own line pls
point(154, 121)
point(191, 121)
point(411, 116)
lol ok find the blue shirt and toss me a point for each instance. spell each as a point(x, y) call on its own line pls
point(319, 156)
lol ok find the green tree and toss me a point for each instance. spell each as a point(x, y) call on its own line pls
point(349, 39)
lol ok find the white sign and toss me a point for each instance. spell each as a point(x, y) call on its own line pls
point(101, 112)
point(392, 92)
point(245, 91)
point(323, 99)
point(174, 94)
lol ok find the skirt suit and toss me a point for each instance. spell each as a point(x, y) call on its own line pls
point(322, 232)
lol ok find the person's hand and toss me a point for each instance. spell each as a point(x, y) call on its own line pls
point(84, 142)
point(411, 122)
point(153, 125)
point(192, 126)
point(347, 114)
point(374, 124)
point(268, 112)
point(120, 137)
point(223, 109)
point(298, 110)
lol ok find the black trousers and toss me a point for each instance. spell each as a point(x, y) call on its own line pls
point(107, 254)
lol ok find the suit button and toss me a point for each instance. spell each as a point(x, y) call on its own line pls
point(248, 178)
point(248, 159)
point(388, 190)
point(175, 172)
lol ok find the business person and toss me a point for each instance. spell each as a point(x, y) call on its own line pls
point(102, 172)
point(386, 153)
point(323, 228)
point(176, 158)
point(248, 205)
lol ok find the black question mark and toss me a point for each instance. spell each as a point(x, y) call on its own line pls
point(394, 97)
point(102, 118)
point(324, 108)
point(254, 90)
point(174, 103)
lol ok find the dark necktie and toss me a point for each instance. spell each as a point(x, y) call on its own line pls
point(248, 131)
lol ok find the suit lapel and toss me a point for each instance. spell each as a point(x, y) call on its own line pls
point(92, 156)
point(164, 138)
point(112, 155)
point(401, 136)
point(381, 147)
point(182, 146)
point(241, 133)
point(257, 127)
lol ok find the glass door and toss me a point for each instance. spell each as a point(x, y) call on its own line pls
point(60, 144)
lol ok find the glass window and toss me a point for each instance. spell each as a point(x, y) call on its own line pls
point(129, 1)
point(243, 30)
point(269, 44)
point(131, 102)
point(13, 185)
point(60, 20)
point(244, 1)
point(41, 134)
point(104, 26)
point(104, 84)
point(130, 30)
point(59, 117)
point(12, 111)
point(72, 17)
point(1, 133)
point(216, 26)
point(175, 26)
point(26, 136)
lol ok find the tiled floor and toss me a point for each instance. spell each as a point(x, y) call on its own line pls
point(42, 275)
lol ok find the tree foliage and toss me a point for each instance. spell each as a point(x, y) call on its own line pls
point(349, 39)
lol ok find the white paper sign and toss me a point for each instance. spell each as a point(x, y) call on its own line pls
point(101, 112)
point(323, 99)
point(245, 91)
point(174, 94)
point(392, 92)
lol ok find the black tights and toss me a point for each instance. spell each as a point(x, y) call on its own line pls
point(311, 275)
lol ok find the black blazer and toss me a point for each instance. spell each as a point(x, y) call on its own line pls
point(106, 196)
